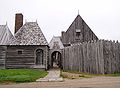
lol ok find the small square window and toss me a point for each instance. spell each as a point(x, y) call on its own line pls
point(78, 31)
point(77, 34)
point(19, 51)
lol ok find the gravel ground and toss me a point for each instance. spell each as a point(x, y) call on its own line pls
point(95, 82)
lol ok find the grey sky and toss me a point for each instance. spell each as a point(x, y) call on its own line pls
point(54, 16)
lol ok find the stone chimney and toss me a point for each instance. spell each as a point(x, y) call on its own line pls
point(18, 21)
point(62, 33)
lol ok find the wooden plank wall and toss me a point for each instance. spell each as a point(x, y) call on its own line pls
point(86, 34)
point(2, 56)
point(98, 57)
point(25, 60)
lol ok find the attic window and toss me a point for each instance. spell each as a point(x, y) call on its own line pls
point(20, 51)
point(78, 32)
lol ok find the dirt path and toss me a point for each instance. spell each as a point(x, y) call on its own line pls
point(96, 82)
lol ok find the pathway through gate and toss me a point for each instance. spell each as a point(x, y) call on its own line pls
point(53, 75)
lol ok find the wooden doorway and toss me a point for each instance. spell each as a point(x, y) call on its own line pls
point(56, 59)
point(39, 57)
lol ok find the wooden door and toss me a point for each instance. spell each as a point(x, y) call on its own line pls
point(39, 57)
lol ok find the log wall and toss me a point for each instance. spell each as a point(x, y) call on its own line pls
point(27, 59)
point(2, 56)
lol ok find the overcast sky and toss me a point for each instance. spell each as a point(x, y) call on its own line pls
point(54, 16)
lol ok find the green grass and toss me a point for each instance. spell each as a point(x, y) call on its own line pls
point(70, 71)
point(65, 76)
point(20, 75)
point(114, 75)
point(68, 77)
point(75, 72)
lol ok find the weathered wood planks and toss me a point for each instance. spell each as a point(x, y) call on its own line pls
point(97, 57)
point(2, 56)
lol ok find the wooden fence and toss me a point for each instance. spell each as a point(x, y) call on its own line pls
point(98, 57)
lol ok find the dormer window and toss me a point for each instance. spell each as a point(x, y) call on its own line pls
point(78, 31)
point(56, 45)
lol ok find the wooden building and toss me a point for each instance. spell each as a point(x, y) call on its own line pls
point(78, 32)
point(5, 34)
point(27, 49)
point(3, 50)
point(55, 53)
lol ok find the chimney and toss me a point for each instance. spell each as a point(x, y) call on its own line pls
point(62, 33)
point(18, 21)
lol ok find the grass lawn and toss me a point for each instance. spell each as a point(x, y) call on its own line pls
point(20, 75)
point(114, 75)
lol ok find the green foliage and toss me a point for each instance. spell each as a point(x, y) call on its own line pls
point(21, 75)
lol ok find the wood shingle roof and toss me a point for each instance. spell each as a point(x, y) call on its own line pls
point(5, 34)
point(29, 34)
point(55, 43)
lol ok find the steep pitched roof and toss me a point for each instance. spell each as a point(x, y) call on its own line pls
point(29, 34)
point(56, 43)
point(78, 32)
point(5, 34)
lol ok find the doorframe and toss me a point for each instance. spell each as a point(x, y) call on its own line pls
point(36, 55)
point(58, 60)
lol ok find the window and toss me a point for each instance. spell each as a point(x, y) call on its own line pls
point(77, 34)
point(19, 51)
point(56, 45)
point(78, 31)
